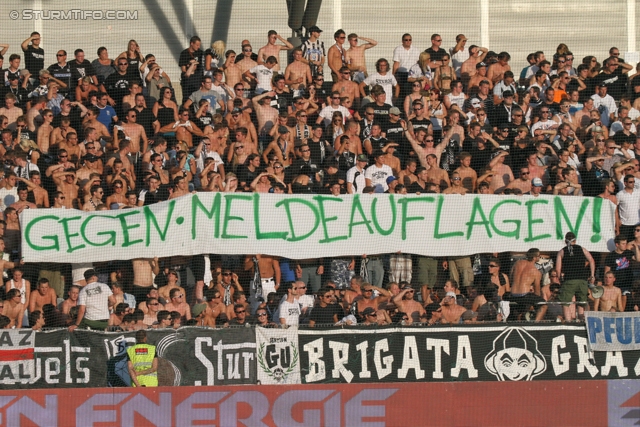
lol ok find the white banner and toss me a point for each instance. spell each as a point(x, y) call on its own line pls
point(609, 331)
point(308, 226)
point(17, 356)
point(278, 355)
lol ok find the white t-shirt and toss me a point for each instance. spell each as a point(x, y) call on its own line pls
point(388, 81)
point(605, 106)
point(618, 127)
point(358, 182)
point(217, 160)
point(544, 125)
point(628, 207)
point(95, 297)
point(405, 58)
point(458, 58)
point(8, 197)
point(456, 99)
point(327, 114)
point(264, 76)
point(290, 311)
point(379, 175)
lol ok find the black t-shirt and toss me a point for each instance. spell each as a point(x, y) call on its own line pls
point(416, 188)
point(79, 71)
point(346, 161)
point(394, 131)
point(186, 57)
point(324, 315)
point(616, 83)
point(61, 73)
point(117, 86)
point(480, 159)
point(620, 264)
point(246, 176)
point(34, 59)
point(436, 56)
point(316, 151)
point(145, 119)
point(284, 100)
point(6, 73)
point(75, 120)
point(20, 93)
point(204, 121)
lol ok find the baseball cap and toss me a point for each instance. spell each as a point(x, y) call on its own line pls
point(536, 182)
point(390, 179)
point(377, 154)
point(362, 158)
point(197, 309)
point(315, 29)
point(451, 294)
point(90, 158)
point(236, 111)
point(480, 65)
point(394, 110)
point(283, 129)
point(507, 93)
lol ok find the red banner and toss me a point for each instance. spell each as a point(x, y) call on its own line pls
point(539, 403)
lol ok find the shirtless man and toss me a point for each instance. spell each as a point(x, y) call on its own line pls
point(177, 297)
point(153, 293)
point(407, 176)
point(368, 300)
point(523, 182)
point(59, 134)
point(354, 57)
point(246, 63)
point(45, 130)
point(135, 134)
point(354, 293)
point(456, 185)
point(422, 137)
point(40, 195)
point(91, 121)
point(611, 299)
point(502, 173)
point(66, 183)
point(270, 274)
point(406, 304)
point(123, 155)
point(72, 301)
point(215, 307)
point(266, 114)
point(468, 176)
point(297, 73)
point(535, 171)
point(232, 71)
point(436, 174)
point(526, 276)
point(281, 147)
point(11, 111)
point(346, 87)
point(144, 270)
point(13, 309)
point(44, 295)
point(336, 56)
point(468, 67)
point(183, 128)
point(496, 71)
point(451, 311)
point(273, 49)
point(22, 202)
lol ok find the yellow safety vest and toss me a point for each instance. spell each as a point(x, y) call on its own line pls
point(142, 355)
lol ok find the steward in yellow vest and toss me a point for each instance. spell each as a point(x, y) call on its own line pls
point(143, 362)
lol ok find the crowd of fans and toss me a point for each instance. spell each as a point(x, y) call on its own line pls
point(111, 134)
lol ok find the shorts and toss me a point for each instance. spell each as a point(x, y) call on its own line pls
point(524, 302)
point(576, 287)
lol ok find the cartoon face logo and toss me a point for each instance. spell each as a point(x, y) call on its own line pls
point(515, 356)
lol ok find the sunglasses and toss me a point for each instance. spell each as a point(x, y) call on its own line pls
point(261, 314)
point(240, 312)
point(226, 274)
point(155, 303)
point(492, 266)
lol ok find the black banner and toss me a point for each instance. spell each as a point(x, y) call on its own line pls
point(188, 356)
point(461, 353)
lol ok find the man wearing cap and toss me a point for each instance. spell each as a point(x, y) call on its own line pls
point(94, 302)
point(313, 51)
point(469, 67)
point(376, 174)
point(536, 187)
point(355, 176)
point(502, 112)
point(281, 147)
point(142, 362)
point(525, 277)
point(406, 304)
point(502, 173)
point(451, 311)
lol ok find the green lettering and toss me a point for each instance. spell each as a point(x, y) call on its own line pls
point(54, 238)
point(558, 207)
point(316, 215)
point(476, 209)
point(228, 200)
point(126, 227)
point(196, 205)
point(256, 219)
point(530, 220)
point(374, 216)
point(596, 227)
point(516, 232)
point(436, 231)
point(68, 235)
point(150, 217)
point(357, 206)
point(111, 234)
point(325, 220)
point(405, 207)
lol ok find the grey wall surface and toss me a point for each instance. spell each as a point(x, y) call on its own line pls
point(164, 27)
